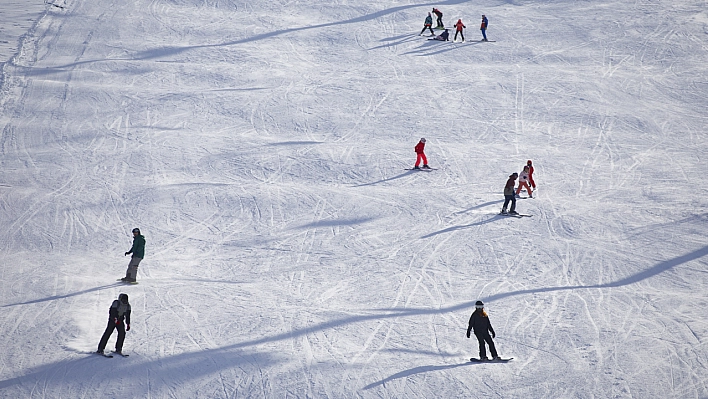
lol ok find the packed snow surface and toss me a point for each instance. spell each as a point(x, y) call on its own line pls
point(261, 146)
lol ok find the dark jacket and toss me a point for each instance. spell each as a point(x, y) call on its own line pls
point(138, 248)
point(120, 311)
point(479, 323)
point(509, 188)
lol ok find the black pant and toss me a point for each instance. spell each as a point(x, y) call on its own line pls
point(440, 22)
point(507, 199)
point(482, 338)
point(461, 35)
point(107, 334)
point(427, 27)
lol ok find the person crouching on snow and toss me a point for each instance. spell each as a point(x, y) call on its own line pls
point(480, 324)
point(118, 314)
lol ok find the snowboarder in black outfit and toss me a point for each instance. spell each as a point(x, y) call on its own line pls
point(118, 315)
point(480, 324)
point(138, 251)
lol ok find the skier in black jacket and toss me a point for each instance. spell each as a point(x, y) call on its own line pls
point(118, 314)
point(479, 322)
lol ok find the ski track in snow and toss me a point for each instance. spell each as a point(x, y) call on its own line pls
point(261, 149)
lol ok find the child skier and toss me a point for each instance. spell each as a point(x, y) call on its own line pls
point(530, 165)
point(509, 194)
point(524, 182)
point(439, 15)
point(118, 313)
point(483, 28)
point(459, 26)
point(420, 151)
point(480, 324)
point(428, 24)
point(138, 251)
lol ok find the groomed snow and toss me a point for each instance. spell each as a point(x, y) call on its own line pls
point(261, 148)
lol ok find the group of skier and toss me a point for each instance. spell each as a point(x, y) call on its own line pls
point(459, 26)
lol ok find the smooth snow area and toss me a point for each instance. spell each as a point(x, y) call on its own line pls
point(261, 148)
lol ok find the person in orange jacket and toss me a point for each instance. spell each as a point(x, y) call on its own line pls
point(459, 26)
point(420, 151)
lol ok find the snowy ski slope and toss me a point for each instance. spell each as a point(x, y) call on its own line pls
point(261, 148)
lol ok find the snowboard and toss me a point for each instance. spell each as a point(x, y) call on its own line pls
point(128, 282)
point(474, 359)
point(103, 354)
point(488, 41)
point(121, 354)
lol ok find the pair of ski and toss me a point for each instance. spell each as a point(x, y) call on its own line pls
point(423, 169)
point(499, 360)
point(516, 215)
point(110, 356)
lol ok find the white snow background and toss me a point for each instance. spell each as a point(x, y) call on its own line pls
point(261, 148)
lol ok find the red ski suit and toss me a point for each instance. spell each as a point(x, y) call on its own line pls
point(419, 149)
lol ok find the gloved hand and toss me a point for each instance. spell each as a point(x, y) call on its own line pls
point(126, 254)
point(116, 321)
point(468, 334)
point(127, 327)
point(494, 335)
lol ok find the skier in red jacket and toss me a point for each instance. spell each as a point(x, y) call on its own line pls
point(459, 26)
point(420, 150)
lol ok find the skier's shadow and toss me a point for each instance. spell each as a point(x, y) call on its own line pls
point(407, 173)
point(55, 297)
point(414, 371)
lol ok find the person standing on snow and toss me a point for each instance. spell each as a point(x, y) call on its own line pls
point(118, 315)
point(420, 151)
point(524, 182)
point(480, 324)
point(138, 251)
point(509, 194)
point(483, 28)
point(428, 24)
point(459, 26)
point(530, 165)
point(439, 14)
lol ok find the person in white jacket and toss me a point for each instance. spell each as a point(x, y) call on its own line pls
point(524, 182)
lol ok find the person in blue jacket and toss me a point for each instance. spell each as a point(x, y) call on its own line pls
point(428, 24)
point(483, 27)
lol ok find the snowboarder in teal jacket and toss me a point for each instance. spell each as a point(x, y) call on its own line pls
point(138, 251)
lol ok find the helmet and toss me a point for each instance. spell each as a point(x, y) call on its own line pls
point(422, 140)
point(529, 162)
point(136, 230)
point(479, 305)
point(123, 298)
